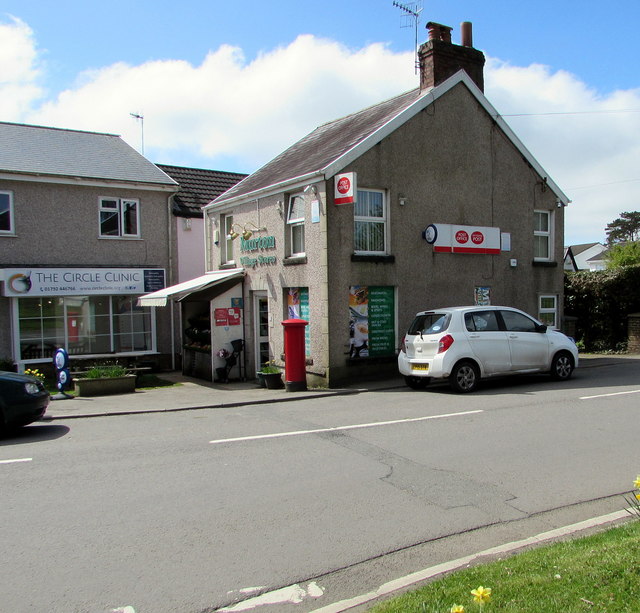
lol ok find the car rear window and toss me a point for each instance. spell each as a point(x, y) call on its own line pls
point(430, 323)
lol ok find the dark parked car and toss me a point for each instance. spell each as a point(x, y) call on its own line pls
point(23, 399)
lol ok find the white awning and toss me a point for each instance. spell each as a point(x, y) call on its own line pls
point(182, 290)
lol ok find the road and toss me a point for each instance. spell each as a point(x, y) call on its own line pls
point(193, 511)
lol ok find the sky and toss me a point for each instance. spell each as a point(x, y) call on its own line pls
point(227, 85)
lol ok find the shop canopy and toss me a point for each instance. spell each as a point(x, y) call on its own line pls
point(186, 288)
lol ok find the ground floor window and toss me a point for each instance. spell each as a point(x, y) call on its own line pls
point(83, 325)
point(548, 311)
point(372, 321)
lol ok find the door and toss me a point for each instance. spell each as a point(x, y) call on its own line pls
point(529, 346)
point(488, 343)
point(261, 328)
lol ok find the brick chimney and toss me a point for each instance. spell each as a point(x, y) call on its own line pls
point(440, 58)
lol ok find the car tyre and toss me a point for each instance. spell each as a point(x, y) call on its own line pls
point(464, 377)
point(562, 366)
point(417, 383)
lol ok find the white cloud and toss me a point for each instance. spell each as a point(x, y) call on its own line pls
point(19, 70)
point(228, 108)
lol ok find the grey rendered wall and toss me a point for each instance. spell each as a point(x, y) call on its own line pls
point(58, 226)
point(454, 166)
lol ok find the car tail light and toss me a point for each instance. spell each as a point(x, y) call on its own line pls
point(444, 343)
point(403, 347)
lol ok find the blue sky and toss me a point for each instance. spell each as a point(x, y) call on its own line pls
point(228, 85)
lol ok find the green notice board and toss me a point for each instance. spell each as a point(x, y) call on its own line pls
point(381, 321)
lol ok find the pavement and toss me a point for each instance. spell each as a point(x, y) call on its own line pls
point(190, 394)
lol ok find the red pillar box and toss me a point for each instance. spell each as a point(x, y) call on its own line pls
point(295, 375)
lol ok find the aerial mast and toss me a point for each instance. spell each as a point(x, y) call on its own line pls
point(412, 12)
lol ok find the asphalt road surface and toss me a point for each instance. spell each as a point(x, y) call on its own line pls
point(195, 511)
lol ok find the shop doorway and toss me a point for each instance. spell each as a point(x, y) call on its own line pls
point(261, 328)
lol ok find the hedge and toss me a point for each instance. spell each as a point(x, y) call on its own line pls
point(601, 301)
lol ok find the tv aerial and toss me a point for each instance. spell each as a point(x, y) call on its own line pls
point(411, 17)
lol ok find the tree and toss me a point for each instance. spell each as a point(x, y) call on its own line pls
point(624, 229)
point(623, 254)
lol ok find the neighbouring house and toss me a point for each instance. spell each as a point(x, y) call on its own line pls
point(425, 200)
point(588, 256)
point(84, 230)
point(197, 187)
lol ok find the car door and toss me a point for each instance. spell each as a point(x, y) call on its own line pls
point(529, 346)
point(488, 342)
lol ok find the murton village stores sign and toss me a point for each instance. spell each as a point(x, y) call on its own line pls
point(252, 245)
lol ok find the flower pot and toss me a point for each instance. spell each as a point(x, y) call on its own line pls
point(273, 380)
point(103, 386)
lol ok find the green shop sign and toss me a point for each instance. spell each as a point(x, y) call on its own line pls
point(256, 244)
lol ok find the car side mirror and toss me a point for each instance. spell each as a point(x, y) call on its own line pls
point(541, 328)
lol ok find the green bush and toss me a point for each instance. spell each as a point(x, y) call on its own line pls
point(98, 372)
point(601, 301)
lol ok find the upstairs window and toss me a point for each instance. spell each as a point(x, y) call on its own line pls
point(119, 218)
point(6, 213)
point(542, 235)
point(370, 222)
point(295, 225)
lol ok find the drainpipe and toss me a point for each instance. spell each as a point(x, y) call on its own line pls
point(170, 277)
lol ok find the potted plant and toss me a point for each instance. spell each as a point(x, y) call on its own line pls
point(104, 380)
point(272, 375)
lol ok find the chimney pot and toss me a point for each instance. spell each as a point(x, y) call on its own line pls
point(439, 32)
point(466, 33)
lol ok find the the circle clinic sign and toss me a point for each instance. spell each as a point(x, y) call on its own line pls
point(345, 188)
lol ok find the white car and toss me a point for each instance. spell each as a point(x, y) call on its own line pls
point(465, 344)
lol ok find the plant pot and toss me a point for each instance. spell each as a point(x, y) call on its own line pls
point(273, 380)
point(260, 378)
point(103, 386)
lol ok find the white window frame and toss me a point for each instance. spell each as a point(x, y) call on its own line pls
point(295, 225)
point(11, 231)
point(548, 234)
point(370, 219)
point(542, 311)
point(226, 251)
point(119, 210)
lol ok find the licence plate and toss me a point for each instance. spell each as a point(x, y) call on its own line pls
point(424, 367)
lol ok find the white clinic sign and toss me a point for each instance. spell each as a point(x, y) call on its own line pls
point(31, 282)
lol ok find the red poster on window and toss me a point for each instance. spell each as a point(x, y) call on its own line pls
point(221, 317)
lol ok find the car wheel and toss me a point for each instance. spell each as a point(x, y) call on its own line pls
point(464, 377)
point(417, 383)
point(562, 366)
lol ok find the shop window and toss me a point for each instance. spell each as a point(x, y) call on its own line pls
point(119, 218)
point(297, 301)
point(295, 225)
point(6, 213)
point(548, 311)
point(370, 222)
point(372, 317)
point(83, 325)
point(542, 235)
point(226, 252)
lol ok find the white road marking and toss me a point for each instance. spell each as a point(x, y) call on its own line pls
point(339, 428)
point(293, 594)
point(16, 460)
point(126, 609)
point(611, 394)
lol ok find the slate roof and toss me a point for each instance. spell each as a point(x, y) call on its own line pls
point(198, 187)
point(26, 149)
point(578, 249)
point(325, 144)
point(332, 146)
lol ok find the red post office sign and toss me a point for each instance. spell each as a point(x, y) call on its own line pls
point(447, 238)
point(345, 188)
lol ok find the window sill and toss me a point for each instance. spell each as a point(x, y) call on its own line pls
point(294, 260)
point(227, 265)
point(544, 264)
point(120, 238)
point(376, 259)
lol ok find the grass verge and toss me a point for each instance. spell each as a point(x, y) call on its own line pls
point(599, 573)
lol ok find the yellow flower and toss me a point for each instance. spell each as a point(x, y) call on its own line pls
point(636, 483)
point(481, 594)
point(457, 608)
point(638, 496)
